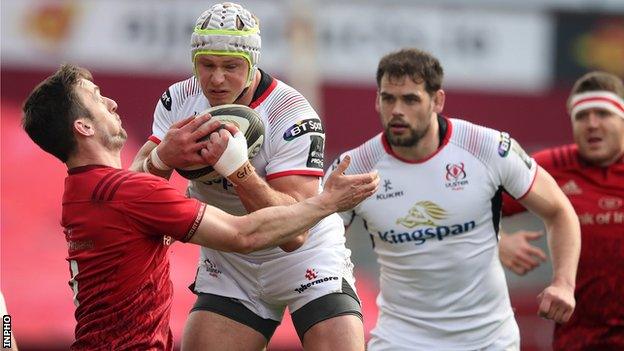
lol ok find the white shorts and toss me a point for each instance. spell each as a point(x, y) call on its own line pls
point(507, 340)
point(267, 288)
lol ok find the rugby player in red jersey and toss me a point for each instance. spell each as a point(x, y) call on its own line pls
point(118, 224)
point(591, 173)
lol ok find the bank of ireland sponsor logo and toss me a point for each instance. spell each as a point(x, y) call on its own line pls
point(455, 176)
point(211, 268)
point(313, 278)
point(610, 203)
point(300, 128)
point(388, 191)
point(504, 144)
point(422, 224)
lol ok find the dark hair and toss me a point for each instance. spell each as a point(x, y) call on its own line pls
point(596, 81)
point(419, 65)
point(51, 109)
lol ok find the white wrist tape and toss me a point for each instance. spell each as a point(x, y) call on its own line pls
point(157, 162)
point(234, 156)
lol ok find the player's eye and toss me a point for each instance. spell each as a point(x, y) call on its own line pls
point(410, 99)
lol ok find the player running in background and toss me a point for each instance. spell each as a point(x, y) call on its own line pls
point(591, 173)
point(434, 220)
point(117, 223)
point(241, 298)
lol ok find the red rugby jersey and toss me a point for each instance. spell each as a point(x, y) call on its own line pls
point(597, 194)
point(116, 226)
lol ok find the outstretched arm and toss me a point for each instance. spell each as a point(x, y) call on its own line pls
point(548, 202)
point(275, 225)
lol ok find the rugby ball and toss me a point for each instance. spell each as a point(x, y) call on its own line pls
point(247, 120)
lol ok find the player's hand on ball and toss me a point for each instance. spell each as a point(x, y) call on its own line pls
point(556, 302)
point(234, 156)
point(181, 145)
point(217, 142)
point(347, 191)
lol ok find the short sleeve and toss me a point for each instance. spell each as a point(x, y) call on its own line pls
point(512, 167)
point(162, 116)
point(297, 140)
point(165, 211)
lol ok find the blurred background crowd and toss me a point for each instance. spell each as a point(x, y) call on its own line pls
point(508, 65)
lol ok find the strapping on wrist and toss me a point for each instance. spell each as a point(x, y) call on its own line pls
point(157, 162)
point(242, 174)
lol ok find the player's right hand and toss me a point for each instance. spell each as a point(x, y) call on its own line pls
point(181, 145)
point(235, 154)
point(347, 191)
point(557, 302)
point(517, 254)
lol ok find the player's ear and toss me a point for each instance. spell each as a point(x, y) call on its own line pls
point(438, 101)
point(84, 127)
point(377, 97)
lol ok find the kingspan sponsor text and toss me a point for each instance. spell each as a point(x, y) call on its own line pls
point(419, 236)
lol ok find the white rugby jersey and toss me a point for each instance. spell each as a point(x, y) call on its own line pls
point(434, 227)
point(293, 145)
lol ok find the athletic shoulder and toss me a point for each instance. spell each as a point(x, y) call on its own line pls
point(365, 157)
point(285, 103)
point(128, 186)
point(558, 157)
point(178, 93)
point(482, 142)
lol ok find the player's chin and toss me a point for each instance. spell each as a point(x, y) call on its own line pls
point(218, 99)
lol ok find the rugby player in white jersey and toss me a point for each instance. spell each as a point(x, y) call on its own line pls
point(434, 219)
point(241, 298)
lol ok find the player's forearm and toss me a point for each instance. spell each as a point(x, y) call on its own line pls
point(564, 242)
point(255, 193)
point(143, 163)
point(273, 226)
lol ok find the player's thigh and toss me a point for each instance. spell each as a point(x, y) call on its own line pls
point(223, 323)
point(330, 320)
point(344, 332)
point(207, 330)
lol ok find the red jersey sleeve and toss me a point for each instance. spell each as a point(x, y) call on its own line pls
point(163, 210)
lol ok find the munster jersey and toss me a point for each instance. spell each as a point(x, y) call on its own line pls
point(597, 195)
point(293, 145)
point(117, 224)
point(433, 224)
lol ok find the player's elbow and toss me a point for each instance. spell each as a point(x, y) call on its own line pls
point(294, 243)
point(243, 243)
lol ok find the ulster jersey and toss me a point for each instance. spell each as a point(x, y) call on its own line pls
point(434, 227)
point(597, 195)
point(294, 145)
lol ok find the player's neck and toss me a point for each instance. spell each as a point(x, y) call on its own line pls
point(89, 156)
point(247, 96)
point(425, 147)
